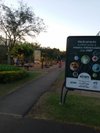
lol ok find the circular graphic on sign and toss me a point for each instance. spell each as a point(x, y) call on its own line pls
point(95, 58)
point(94, 75)
point(75, 74)
point(74, 66)
point(76, 58)
point(84, 77)
point(96, 68)
point(85, 59)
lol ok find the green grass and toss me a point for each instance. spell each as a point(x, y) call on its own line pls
point(78, 109)
point(8, 87)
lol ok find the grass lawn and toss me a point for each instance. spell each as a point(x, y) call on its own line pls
point(78, 109)
point(8, 87)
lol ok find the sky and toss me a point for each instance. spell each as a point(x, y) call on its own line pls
point(64, 18)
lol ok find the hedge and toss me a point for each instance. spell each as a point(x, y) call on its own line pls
point(5, 67)
point(9, 73)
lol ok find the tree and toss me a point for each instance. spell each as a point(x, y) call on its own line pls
point(16, 24)
point(23, 52)
point(23, 48)
point(50, 55)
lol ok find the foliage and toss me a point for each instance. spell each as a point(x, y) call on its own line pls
point(5, 67)
point(17, 23)
point(26, 49)
point(50, 53)
point(53, 53)
point(51, 56)
point(63, 55)
point(23, 48)
point(11, 73)
point(12, 86)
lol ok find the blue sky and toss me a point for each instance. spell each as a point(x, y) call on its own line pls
point(64, 18)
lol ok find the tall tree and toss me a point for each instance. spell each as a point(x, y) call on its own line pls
point(16, 24)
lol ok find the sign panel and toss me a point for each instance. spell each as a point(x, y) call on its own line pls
point(37, 55)
point(83, 63)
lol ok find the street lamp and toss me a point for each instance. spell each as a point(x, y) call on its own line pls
point(98, 34)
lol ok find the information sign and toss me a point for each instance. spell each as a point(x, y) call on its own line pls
point(37, 55)
point(83, 63)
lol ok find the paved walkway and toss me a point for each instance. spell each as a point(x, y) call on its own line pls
point(18, 104)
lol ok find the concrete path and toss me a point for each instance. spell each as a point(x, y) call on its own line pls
point(19, 102)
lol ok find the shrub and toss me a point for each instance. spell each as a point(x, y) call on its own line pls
point(11, 73)
point(5, 67)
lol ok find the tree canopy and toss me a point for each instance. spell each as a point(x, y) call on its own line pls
point(18, 23)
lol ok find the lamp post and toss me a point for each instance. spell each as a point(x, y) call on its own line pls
point(98, 34)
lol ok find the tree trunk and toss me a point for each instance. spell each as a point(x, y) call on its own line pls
point(8, 57)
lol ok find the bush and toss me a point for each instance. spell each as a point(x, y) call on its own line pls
point(5, 67)
point(11, 73)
